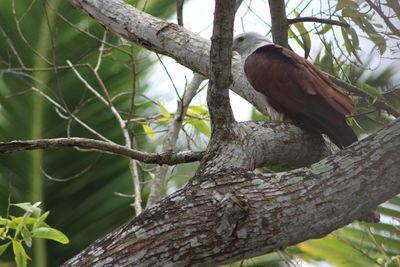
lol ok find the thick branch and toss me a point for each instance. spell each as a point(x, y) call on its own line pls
point(319, 20)
point(256, 144)
point(234, 214)
point(279, 23)
point(170, 158)
point(220, 65)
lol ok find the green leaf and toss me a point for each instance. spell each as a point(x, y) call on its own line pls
point(379, 41)
point(304, 35)
point(326, 60)
point(44, 216)
point(354, 38)
point(28, 207)
point(149, 131)
point(197, 111)
point(325, 29)
point(164, 111)
point(20, 256)
point(345, 3)
point(201, 126)
point(4, 247)
point(350, 44)
point(50, 233)
point(370, 90)
point(379, 26)
point(40, 222)
point(291, 34)
point(334, 251)
point(4, 221)
point(27, 236)
point(15, 221)
point(257, 116)
point(351, 13)
point(3, 232)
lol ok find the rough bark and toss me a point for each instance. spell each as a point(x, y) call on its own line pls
point(230, 214)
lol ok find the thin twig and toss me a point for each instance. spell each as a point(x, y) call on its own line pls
point(387, 21)
point(128, 142)
point(133, 165)
point(66, 67)
point(17, 23)
point(10, 44)
point(169, 76)
point(101, 51)
point(319, 20)
point(59, 107)
point(179, 11)
point(85, 32)
point(359, 92)
point(170, 158)
point(172, 137)
point(72, 177)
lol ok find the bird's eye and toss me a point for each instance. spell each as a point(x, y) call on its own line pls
point(240, 39)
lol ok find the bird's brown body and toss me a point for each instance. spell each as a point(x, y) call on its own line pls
point(294, 87)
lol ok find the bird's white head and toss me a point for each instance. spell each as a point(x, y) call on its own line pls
point(245, 43)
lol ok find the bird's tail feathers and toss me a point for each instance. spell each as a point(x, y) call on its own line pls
point(341, 135)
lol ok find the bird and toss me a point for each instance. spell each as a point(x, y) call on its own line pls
point(294, 87)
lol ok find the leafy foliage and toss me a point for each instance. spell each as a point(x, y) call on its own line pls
point(20, 231)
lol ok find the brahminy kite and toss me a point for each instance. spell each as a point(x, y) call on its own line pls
point(294, 87)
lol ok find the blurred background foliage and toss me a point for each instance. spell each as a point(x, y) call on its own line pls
point(95, 195)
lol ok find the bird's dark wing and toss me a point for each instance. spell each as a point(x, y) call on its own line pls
point(295, 87)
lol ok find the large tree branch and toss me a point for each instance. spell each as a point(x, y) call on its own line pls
point(220, 64)
point(280, 26)
point(234, 214)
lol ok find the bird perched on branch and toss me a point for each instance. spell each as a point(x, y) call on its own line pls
point(294, 87)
